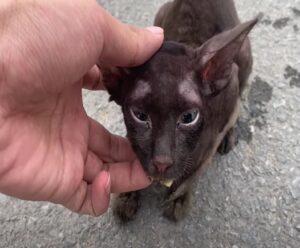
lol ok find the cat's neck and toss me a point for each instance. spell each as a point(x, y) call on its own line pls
point(195, 21)
point(223, 10)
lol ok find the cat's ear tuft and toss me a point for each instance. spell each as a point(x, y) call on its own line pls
point(217, 56)
point(113, 78)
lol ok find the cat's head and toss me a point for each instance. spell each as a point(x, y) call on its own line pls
point(177, 103)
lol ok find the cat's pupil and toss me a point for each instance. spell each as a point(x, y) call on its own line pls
point(141, 116)
point(188, 117)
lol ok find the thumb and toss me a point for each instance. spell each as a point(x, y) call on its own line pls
point(125, 45)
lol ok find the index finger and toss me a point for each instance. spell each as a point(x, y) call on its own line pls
point(126, 177)
point(107, 146)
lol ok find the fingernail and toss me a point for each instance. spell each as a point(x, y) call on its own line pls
point(108, 184)
point(155, 30)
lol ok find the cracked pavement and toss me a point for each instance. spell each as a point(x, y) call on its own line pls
point(248, 198)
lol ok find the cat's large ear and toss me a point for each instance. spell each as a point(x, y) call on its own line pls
point(113, 78)
point(217, 55)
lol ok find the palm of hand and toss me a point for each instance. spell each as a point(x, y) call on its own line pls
point(53, 159)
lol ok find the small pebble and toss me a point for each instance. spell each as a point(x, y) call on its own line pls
point(54, 233)
point(45, 208)
point(295, 189)
point(71, 241)
point(282, 117)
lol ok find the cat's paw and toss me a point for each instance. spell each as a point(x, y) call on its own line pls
point(177, 209)
point(229, 141)
point(126, 206)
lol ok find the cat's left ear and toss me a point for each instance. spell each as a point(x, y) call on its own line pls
point(217, 55)
point(113, 78)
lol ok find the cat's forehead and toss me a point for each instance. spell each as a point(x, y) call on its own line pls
point(167, 77)
point(184, 90)
point(169, 65)
point(169, 58)
point(188, 90)
point(141, 90)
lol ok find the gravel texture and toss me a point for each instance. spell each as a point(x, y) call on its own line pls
point(248, 198)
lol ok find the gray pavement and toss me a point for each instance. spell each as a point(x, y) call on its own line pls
point(248, 198)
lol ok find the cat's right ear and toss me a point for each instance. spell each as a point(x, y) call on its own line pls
point(217, 57)
point(113, 80)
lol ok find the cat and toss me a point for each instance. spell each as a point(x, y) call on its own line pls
point(181, 106)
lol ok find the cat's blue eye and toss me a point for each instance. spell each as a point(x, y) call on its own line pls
point(189, 117)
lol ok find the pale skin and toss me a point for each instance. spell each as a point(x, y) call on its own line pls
point(50, 150)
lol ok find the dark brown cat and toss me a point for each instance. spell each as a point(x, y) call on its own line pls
point(182, 104)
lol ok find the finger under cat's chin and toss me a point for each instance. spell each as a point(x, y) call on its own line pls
point(128, 177)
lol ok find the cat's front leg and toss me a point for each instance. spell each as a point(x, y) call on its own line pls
point(178, 208)
point(178, 203)
point(229, 141)
point(126, 206)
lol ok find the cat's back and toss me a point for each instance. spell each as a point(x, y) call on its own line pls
point(193, 22)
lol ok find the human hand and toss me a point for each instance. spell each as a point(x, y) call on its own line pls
point(50, 150)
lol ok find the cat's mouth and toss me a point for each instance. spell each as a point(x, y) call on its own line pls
point(167, 182)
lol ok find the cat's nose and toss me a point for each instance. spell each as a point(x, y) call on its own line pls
point(162, 163)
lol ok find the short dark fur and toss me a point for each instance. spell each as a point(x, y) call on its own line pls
point(215, 66)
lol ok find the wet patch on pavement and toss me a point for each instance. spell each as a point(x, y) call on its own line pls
point(243, 130)
point(296, 12)
point(281, 23)
point(259, 96)
point(293, 76)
